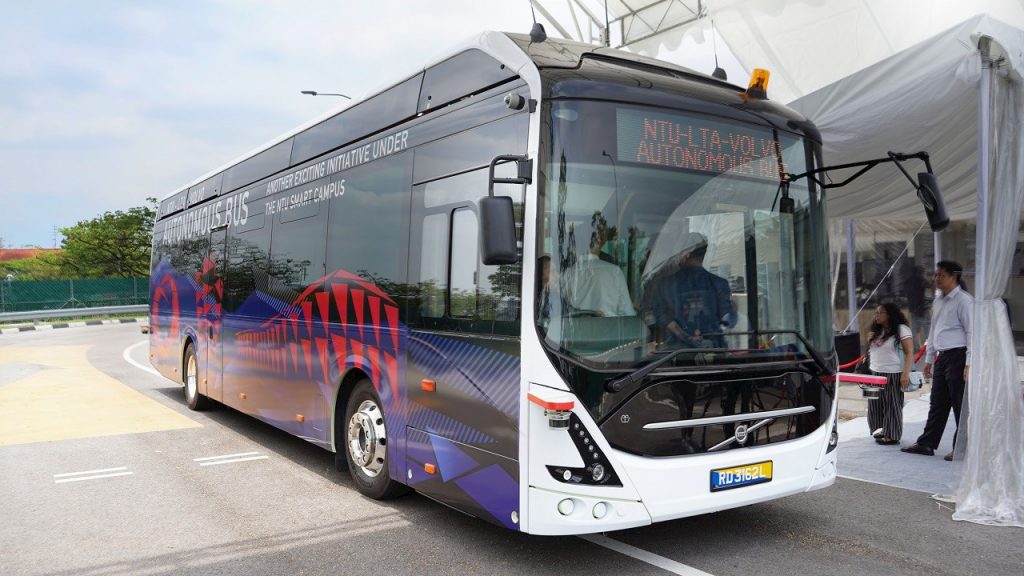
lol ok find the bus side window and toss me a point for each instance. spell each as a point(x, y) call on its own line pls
point(247, 262)
point(479, 298)
point(464, 285)
point(367, 229)
point(297, 250)
point(434, 265)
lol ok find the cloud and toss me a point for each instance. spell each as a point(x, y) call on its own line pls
point(106, 103)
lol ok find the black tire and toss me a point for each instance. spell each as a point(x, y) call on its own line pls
point(362, 438)
point(190, 378)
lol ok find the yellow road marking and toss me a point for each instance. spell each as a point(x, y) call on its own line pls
point(68, 398)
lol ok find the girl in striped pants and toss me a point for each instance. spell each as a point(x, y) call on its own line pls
point(890, 348)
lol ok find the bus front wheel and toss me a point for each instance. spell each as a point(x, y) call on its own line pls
point(193, 398)
point(365, 439)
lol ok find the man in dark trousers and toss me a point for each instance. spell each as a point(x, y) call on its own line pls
point(948, 349)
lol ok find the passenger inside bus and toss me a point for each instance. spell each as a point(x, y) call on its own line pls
point(692, 306)
point(593, 286)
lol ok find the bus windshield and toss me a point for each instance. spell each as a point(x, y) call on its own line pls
point(663, 231)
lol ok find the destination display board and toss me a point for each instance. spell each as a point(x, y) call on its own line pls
point(702, 143)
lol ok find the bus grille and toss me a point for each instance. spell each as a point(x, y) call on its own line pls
point(682, 416)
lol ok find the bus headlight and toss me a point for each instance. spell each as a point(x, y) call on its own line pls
point(596, 469)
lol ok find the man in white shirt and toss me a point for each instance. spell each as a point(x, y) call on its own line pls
point(592, 285)
point(948, 349)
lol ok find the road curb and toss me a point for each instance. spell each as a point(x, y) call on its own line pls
point(59, 325)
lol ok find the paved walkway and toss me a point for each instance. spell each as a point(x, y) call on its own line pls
point(862, 458)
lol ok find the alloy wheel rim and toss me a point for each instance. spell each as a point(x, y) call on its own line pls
point(367, 439)
point(190, 377)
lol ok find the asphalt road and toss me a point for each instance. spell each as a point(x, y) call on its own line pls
point(89, 487)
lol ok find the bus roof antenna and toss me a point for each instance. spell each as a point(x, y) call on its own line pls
point(719, 71)
point(537, 32)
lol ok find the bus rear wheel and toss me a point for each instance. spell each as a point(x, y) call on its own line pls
point(193, 398)
point(364, 434)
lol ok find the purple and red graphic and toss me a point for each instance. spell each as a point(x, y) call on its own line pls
point(288, 358)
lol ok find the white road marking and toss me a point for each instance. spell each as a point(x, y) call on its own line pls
point(880, 483)
point(91, 475)
point(644, 556)
point(128, 358)
point(101, 471)
point(230, 458)
point(217, 462)
point(225, 456)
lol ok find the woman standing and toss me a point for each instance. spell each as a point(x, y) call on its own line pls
point(890, 350)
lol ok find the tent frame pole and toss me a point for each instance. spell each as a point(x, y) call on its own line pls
point(851, 273)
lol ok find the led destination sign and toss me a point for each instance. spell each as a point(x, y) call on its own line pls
point(693, 143)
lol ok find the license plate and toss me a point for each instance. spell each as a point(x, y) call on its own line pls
point(739, 476)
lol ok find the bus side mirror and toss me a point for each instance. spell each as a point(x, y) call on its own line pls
point(934, 207)
point(498, 231)
point(497, 218)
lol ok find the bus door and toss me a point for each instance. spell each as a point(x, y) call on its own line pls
point(211, 287)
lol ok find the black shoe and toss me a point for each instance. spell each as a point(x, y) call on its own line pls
point(948, 457)
point(885, 442)
point(918, 449)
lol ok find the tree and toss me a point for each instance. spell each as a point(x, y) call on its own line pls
point(114, 244)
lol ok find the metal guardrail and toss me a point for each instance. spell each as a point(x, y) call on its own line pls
point(73, 312)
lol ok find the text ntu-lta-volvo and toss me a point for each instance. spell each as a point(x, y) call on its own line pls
point(560, 288)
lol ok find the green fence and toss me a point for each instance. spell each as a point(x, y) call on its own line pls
point(26, 295)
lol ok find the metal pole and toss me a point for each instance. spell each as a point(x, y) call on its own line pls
point(851, 275)
point(984, 160)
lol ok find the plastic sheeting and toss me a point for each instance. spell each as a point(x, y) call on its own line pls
point(990, 449)
point(924, 98)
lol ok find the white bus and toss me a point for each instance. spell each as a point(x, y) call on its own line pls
point(564, 289)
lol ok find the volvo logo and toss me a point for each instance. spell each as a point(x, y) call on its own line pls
point(741, 434)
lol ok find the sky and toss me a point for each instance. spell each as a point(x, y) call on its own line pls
point(105, 103)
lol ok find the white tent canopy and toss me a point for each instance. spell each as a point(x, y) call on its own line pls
point(809, 44)
point(923, 98)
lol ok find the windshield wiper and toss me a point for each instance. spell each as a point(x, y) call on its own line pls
point(639, 374)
